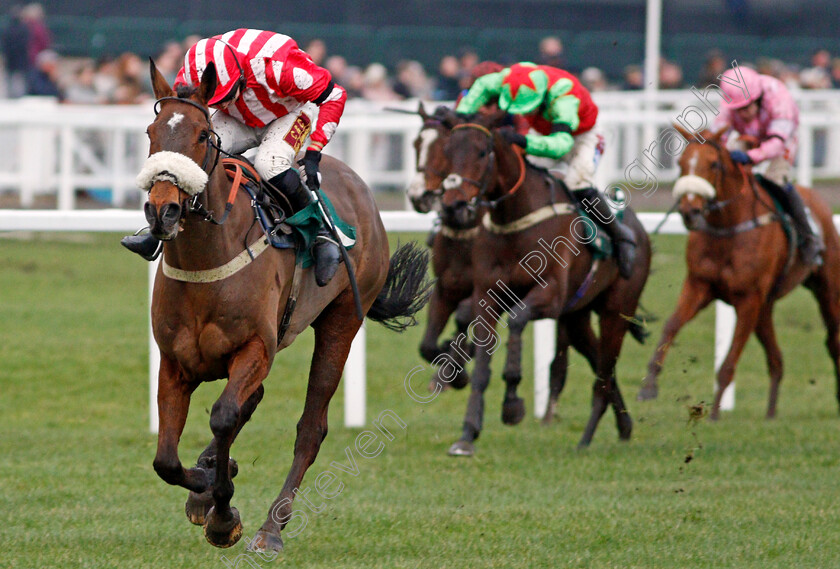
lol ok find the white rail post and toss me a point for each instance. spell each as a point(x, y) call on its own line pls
point(724, 330)
point(355, 371)
point(154, 356)
point(545, 342)
point(66, 196)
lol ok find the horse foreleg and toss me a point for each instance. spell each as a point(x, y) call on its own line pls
point(513, 406)
point(695, 296)
point(198, 505)
point(747, 311)
point(474, 416)
point(246, 371)
point(557, 371)
point(173, 401)
point(605, 390)
point(440, 309)
point(766, 334)
point(459, 348)
point(334, 332)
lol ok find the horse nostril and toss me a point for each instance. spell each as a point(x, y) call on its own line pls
point(170, 213)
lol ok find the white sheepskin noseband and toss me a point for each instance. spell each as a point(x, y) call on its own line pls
point(174, 167)
point(691, 184)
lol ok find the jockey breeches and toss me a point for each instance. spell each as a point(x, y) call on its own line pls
point(577, 167)
point(277, 143)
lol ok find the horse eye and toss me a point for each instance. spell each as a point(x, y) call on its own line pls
point(203, 135)
point(482, 154)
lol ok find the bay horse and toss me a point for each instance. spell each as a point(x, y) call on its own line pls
point(452, 250)
point(218, 310)
point(738, 252)
point(528, 218)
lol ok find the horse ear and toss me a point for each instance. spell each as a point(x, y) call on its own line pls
point(160, 85)
point(683, 132)
point(421, 110)
point(208, 83)
point(719, 133)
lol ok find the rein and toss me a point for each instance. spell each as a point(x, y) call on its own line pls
point(484, 182)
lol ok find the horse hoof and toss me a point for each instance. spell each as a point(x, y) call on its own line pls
point(435, 382)
point(264, 541)
point(647, 392)
point(221, 533)
point(462, 448)
point(197, 506)
point(461, 380)
point(513, 411)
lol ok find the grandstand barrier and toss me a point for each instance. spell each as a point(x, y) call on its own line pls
point(59, 150)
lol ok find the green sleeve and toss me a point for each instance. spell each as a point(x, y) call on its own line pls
point(551, 146)
point(562, 109)
point(485, 89)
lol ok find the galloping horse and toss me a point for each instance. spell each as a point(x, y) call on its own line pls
point(738, 252)
point(530, 219)
point(218, 311)
point(452, 250)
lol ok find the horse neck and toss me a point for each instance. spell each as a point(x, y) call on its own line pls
point(205, 244)
point(736, 190)
point(530, 196)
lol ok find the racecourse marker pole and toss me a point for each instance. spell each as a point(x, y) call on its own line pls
point(545, 343)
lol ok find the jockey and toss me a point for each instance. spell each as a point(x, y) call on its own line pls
point(562, 116)
point(270, 95)
point(761, 107)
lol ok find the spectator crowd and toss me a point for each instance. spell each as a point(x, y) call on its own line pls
point(32, 67)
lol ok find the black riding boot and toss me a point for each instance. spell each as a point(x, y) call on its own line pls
point(810, 244)
point(595, 204)
point(325, 250)
point(145, 244)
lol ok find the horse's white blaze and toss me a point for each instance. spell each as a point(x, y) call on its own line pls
point(692, 163)
point(418, 184)
point(173, 122)
point(691, 184)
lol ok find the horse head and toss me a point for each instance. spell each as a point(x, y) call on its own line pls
point(432, 163)
point(703, 170)
point(472, 151)
point(183, 152)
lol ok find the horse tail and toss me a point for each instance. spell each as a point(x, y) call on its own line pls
point(406, 289)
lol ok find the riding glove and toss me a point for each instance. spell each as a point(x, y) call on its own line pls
point(310, 166)
point(514, 137)
point(740, 157)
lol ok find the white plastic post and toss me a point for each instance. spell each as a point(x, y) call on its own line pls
point(355, 371)
point(724, 330)
point(545, 341)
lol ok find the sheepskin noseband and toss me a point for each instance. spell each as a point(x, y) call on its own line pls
point(175, 168)
point(691, 184)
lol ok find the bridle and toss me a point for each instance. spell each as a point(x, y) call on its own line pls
point(213, 142)
point(484, 183)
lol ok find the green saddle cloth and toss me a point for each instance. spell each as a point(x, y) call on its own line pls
point(601, 246)
point(307, 222)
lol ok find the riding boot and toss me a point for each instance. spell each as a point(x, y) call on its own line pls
point(325, 250)
point(810, 244)
point(145, 244)
point(595, 204)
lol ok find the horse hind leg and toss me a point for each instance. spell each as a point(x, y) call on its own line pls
point(766, 334)
point(557, 372)
point(335, 329)
point(198, 505)
point(247, 370)
point(605, 390)
point(439, 312)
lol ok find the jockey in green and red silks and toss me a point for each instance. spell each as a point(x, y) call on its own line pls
point(562, 118)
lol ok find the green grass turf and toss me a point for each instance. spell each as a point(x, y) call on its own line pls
point(77, 488)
